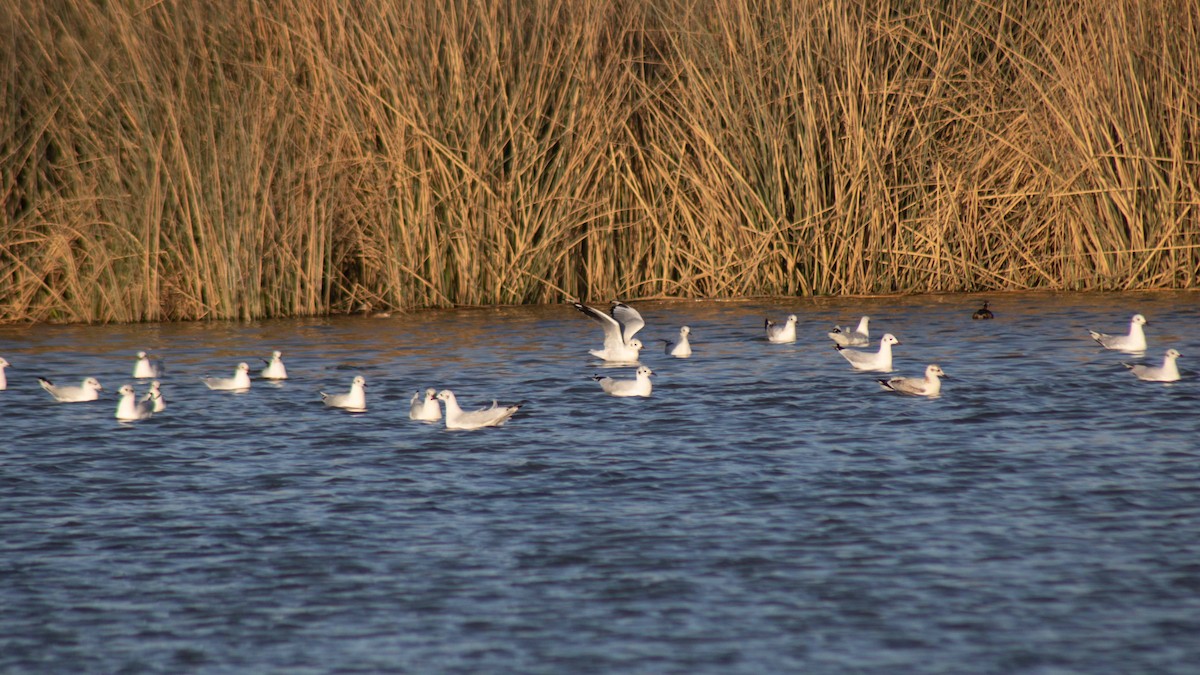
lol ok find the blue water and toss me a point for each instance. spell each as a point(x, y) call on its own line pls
point(767, 510)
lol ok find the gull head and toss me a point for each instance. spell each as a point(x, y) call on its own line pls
point(359, 381)
point(244, 367)
point(94, 384)
point(934, 370)
point(643, 371)
point(685, 330)
point(1139, 320)
point(635, 344)
point(890, 339)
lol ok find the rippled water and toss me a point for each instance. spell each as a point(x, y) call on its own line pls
point(767, 510)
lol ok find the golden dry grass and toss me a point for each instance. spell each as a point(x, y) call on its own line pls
point(163, 160)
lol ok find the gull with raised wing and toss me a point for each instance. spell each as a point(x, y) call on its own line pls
point(619, 344)
point(784, 333)
point(146, 369)
point(681, 348)
point(1134, 342)
point(88, 390)
point(1167, 372)
point(457, 418)
point(354, 400)
point(425, 408)
point(274, 369)
point(129, 408)
point(239, 382)
point(859, 337)
point(929, 385)
point(640, 386)
point(155, 395)
point(880, 360)
point(3, 378)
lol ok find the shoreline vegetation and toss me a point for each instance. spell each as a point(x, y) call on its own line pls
point(244, 160)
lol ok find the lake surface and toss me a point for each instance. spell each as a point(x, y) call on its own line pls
point(767, 510)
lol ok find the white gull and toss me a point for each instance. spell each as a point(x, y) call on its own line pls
point(640, 386)
point(129, 408)
point(425, 408)
point(457, 418)
point(88, 390)
point(784, 333)
point(619, 344)
point(3, 378)
point(239, 382)
point(354, 400)
point(274, 369)
point(155, 394)
point(1167, 372)
point(929, 385)
point(880, 360)
point(1134, 342)
point(145, 368)
point(681, 348)
point(859, 337)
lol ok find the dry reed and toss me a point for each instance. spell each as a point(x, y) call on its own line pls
point(244, 160)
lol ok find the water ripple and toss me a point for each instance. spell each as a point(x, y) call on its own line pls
point(767, 510)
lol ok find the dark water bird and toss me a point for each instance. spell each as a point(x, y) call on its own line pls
point(983, 313)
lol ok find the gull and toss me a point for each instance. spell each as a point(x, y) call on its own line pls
point(145, 369)
point(983, 313)
point(1167, 372)
point(425, 408)
point(155, 394)
point(129, 408)
point(1134, 342)
point(929, 385)
point(239, 382)
point(859, 337)
point(619, 344)
point(680, 349)
point(274, 369)
point(637, 387)
point(86, 391)
point(355, 400)
point(3, 379)
point(784, 333)
point(457, 418)
point(880, 360)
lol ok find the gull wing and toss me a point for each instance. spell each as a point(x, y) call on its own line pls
point(906, 385)
point(631, 322)
point(612, 329)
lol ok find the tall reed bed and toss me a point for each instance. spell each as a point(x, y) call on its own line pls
point(231, 159)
